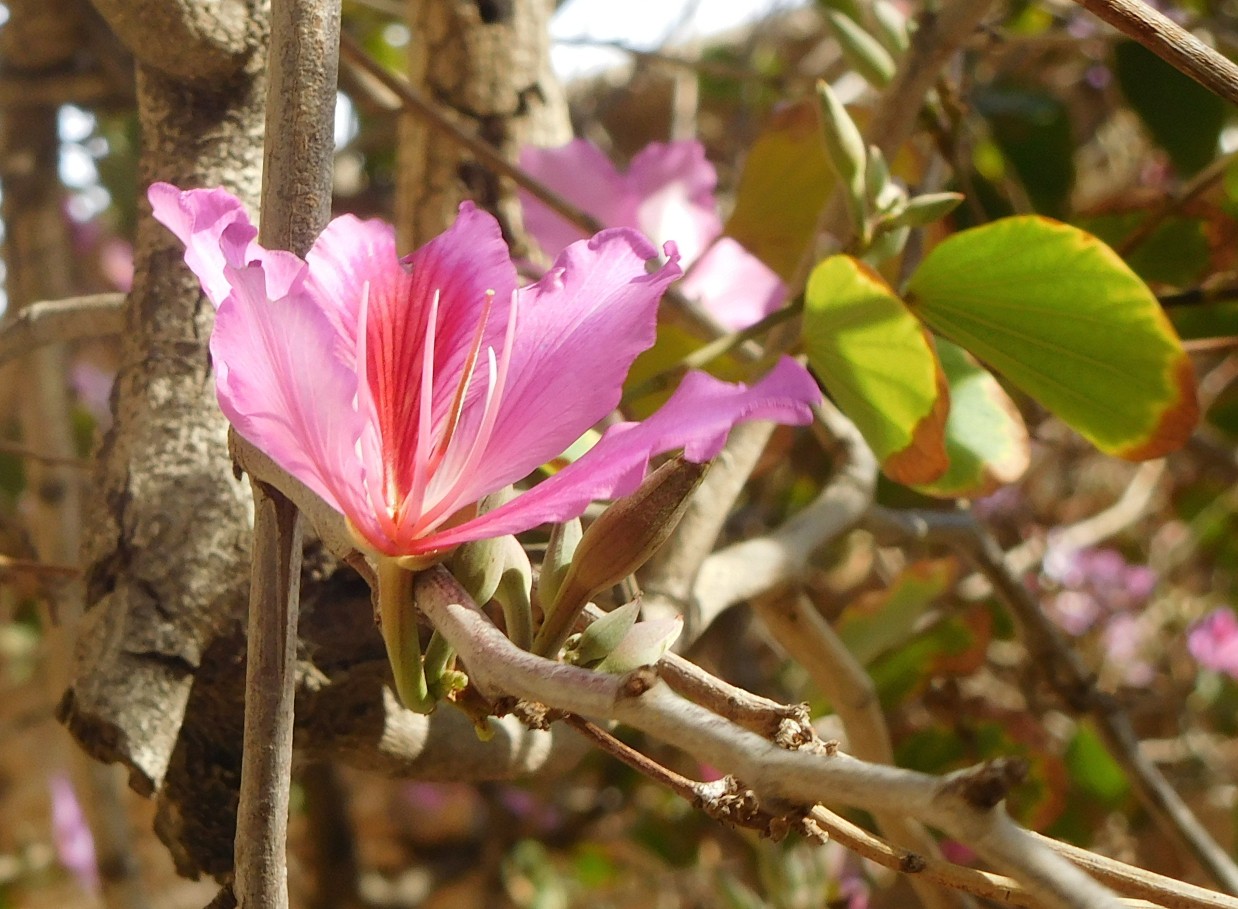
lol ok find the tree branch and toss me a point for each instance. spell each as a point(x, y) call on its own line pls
point(1171, 42)
point(965, 805)
point(746, 569)
point(61, 321)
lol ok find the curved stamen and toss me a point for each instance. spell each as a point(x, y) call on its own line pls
point(373, 484)
point(411, 506)
point(450, 500)
point(466, 378)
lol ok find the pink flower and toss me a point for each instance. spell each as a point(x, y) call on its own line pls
point(404, 391)
point(668, 193)
point(1214, 641)
point(75, 846)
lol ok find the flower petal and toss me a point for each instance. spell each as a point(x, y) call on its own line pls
point(347, 256)
point(578, 330)
point(198, 218)
point(733, 285)
point(697, 418)
point(581, 173)
point(673, 185)
point(278, 376)
point(467, 266)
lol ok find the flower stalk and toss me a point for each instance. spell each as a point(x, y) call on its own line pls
point(397, 619)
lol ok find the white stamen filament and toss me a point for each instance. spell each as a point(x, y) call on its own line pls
point(414, 501)
point(449, 500)
point(373, 482)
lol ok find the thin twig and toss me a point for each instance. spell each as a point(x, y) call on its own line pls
point(1171, 42)
point(53, 321)
point(270, 686)
point(1107, 523)
point(1066, 674)
point(296, 203)
point(411, 100)
point(21, 451)
point(11, 566)
point(680, 785)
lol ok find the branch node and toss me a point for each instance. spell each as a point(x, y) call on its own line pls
point(535, 715)
point(984, 787)
point(638, 681)
point(911, 863)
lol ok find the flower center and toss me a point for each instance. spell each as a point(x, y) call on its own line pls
point(443, 460)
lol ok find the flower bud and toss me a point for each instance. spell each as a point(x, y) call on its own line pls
point(560, 548)
point(643, 645)
point(514, 593)
point(478, 566)
point(861, 50)
point(845, 148)
point(891, 24)
point(620, 541)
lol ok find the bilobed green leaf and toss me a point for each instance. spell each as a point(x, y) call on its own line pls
point(785, 182)
point(985, 436)
point(877, 361)
point(1061, 316)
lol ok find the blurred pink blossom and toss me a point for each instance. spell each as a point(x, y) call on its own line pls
point(75, 847)
point(1213, 641)
point(667, 193)
point(93, 387)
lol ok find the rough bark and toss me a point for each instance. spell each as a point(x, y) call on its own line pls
point(167, 523)
point(488, 62)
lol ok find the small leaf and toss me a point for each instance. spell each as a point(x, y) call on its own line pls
point(604, 635)
point(877, 361)
point(985, 436)
point(922, 210)
point(785, 182)
point(643, 645)
point(1062, 317)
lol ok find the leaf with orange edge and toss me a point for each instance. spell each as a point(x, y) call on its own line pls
point(878, 363)
point(985, 436)
point(784, 185)
point(1062, 317)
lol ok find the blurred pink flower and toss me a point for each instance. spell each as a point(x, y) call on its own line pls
point(404, 391)
point(1127, 640)
point(1213, 641)
point(93, 387)
point(75, 847)
point(667, 193)
point(1096, 584)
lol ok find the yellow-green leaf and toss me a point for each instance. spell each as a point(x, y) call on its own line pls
point(1061, 316)
point(786, 179)
point(985, 436)
point(877, 361)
